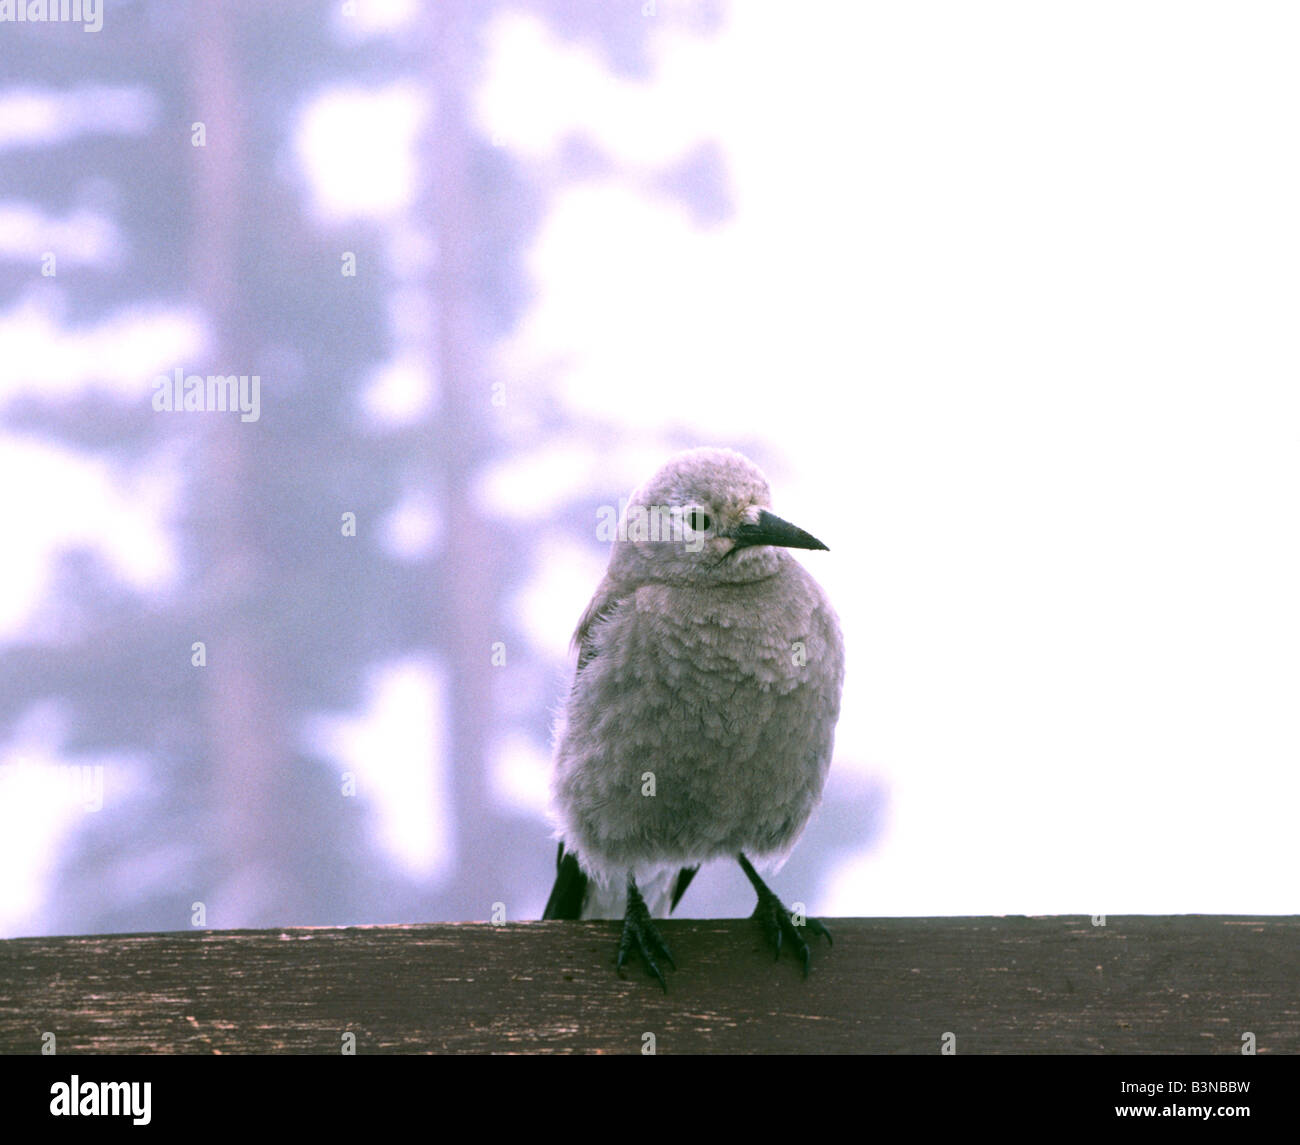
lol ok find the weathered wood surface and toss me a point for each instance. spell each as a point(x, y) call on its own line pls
point(1182, 984)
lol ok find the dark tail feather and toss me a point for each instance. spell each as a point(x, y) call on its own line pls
point(570, 888)
point(684, 877)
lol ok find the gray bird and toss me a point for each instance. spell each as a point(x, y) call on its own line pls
point(702, 714)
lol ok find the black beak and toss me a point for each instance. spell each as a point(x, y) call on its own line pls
point(771, 530)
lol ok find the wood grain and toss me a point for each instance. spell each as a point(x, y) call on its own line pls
point(1182, 984)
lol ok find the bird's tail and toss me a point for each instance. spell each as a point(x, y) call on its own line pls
point(570, 889)
point(574, 895)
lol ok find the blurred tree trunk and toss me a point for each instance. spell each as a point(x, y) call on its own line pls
point(245, 738)
point(471, 572)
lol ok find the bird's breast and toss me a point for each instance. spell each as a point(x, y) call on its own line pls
point(702, 722)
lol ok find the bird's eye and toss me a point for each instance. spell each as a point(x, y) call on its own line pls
point(699, 521)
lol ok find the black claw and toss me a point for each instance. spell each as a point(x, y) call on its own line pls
point(818, 928)
point(640, 934)
point(778, 921)
point(778, 925)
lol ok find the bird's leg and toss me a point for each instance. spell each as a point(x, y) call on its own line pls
point(778, 921)
point(639, 934)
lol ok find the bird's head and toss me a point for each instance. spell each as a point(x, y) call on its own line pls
point(704, 517)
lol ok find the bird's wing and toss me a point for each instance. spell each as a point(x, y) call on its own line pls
point(603, 604)
point(570, 888)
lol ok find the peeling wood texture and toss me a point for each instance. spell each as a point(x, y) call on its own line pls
point(1138, 984)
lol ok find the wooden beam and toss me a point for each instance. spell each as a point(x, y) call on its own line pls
point(1137, 984)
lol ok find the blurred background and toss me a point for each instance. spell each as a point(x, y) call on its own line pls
point(1002, 297)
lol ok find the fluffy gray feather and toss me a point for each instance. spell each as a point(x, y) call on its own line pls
point(710, 664)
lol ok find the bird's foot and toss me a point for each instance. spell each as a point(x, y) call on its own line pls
point(780, 923)
point(641, 935)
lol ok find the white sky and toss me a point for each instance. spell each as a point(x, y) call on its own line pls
point(1010, 289)
point(1010, 292)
